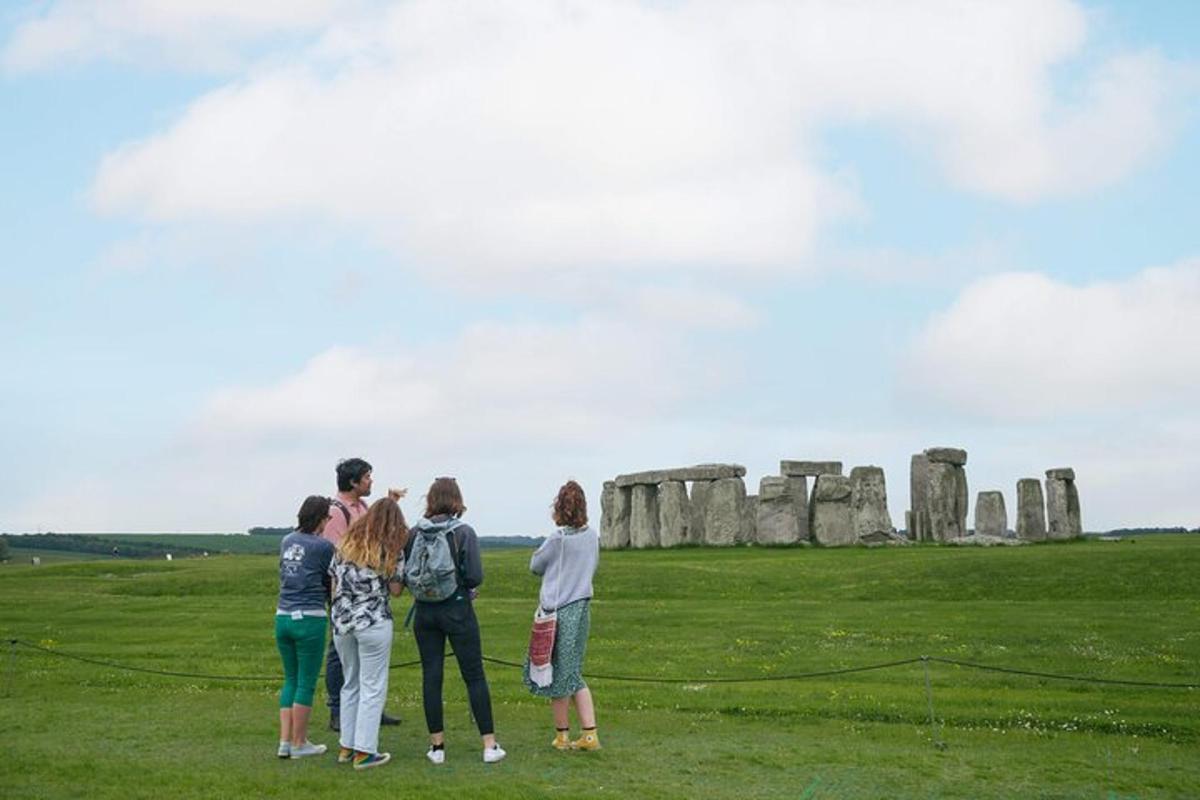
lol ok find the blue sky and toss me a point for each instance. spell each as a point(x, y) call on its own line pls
point(543, 240)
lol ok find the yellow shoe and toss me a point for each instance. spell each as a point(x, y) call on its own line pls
point(561, 741)
point(589, 741)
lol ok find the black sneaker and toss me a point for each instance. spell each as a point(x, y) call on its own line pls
point(335, 722)
point(387, 719)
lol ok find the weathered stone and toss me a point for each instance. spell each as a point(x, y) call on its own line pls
point(947, 455)
point(1062, 508)
point(776, 520)
point(614, 516)
point(798, 491)
point(991, 517)
point(1061, 473)
point(700, 472)
point(947, 501)
point(830, 515)
point(868, 501)
point(701, 490)
point(809, 469)
point(1031, 510)
point(643, 516)
point(918, 489)
point(750, 519)
point(674, 516)
point(723, 512)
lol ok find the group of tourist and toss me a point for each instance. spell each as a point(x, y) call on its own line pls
point(344, 562)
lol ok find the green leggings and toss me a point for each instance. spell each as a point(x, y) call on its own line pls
point(301, 645)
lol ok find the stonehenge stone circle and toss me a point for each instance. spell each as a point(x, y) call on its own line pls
point(643, 516)
point(1062, 505)
point(991, 518)
point(830, 516)
point(775, 519)
point(868, 502)
point(1031, 510)
point(674, 514)
point(723, 512)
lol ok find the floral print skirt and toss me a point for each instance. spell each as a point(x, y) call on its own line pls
point(570, 644)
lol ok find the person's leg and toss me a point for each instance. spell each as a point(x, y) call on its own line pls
point(347, 647)
point(334, 678)
point(431, 645)
point(562, 723)
point(374, 652)
point(287, 655)
point(310, 646)
point(585, 709)
point(468, 650)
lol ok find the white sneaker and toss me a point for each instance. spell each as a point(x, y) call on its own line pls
point(285, 749)
point(307, 749)
point(493, 754)
point(436, 756)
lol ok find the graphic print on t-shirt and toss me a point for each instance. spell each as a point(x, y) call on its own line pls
point(292, 558)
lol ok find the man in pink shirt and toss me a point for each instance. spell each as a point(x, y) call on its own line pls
point(354, 483)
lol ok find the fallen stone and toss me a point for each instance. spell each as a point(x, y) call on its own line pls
point(1031, 510)
point(809, 469)
point(882, 538)
point(723, 512)
point(947, 455)
point(991, 517)
point(830, 516)
point(674, 514)
point(643, 516)
point(776, 520)
point(700, 472)
point(982, 540)
point(868, 501)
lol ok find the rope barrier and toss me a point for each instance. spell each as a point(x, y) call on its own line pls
point(14, 643)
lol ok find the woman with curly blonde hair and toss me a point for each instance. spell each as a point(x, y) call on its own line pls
point(366, 569)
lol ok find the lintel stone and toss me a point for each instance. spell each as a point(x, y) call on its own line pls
point(700, 472)
point(809, 469)
point(947, 455)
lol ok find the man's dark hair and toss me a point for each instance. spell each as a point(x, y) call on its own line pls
point(313, 512)
point(350, 471)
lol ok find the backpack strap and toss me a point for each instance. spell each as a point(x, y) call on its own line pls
point(345, 511)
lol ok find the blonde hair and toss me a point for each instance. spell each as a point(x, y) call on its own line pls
point(377, 538)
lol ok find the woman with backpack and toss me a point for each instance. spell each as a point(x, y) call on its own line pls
point(567, 562)
point(366, 569)
point(300, 623)
point(442, 571)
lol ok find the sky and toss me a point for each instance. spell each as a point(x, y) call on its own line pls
point(520, 242)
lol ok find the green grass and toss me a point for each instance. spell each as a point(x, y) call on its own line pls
point(1123, 610)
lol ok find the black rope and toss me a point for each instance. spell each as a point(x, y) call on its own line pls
point(1060, 677)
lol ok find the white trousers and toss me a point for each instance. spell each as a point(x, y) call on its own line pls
point(365, 655)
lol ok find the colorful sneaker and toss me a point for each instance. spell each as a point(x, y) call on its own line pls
point(436, 756)
point(345, 755)
point(368, 760)
point(307, 749)
point(589, 741)
point(493, 754)
point(285, 749)
point(561, 741)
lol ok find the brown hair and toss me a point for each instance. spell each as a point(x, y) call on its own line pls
point(312, 513)
point(570, 507)
point(377, 538)
point(444, 497)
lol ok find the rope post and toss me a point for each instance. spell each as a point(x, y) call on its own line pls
point(933, 726)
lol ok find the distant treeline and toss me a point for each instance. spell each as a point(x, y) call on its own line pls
point(269, 531)
point(98, 545)
point(1144, 531)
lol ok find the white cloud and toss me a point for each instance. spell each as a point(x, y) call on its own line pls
point(537, 137)
point(1023, 346)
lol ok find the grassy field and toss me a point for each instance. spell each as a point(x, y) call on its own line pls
point(1119, 610)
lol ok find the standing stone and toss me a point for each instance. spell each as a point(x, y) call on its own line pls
point(643, 516)
point(947, 501)
point(918, 488)
point(673, 514)
point(723, 514)
point(614, 518)
point(1062, 505)
point(750, 519)
point(777, 522)
point(1031, 510)
point(868, 502)
point(698, 508)
point(991, 518)
point(797, 488)
point(830, 516)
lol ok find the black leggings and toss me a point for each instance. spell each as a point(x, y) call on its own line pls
point(434, 622)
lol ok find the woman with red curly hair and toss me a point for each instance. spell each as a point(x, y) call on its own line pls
point(567, 561)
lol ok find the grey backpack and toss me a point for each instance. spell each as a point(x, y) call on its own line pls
point(431, 571)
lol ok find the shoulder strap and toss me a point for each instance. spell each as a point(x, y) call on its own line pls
point(342, 506)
